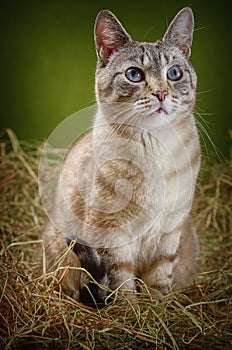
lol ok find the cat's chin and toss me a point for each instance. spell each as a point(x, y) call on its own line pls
point(161, 119)
point(158, 113)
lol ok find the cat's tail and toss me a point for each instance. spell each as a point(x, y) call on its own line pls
point(94, 282)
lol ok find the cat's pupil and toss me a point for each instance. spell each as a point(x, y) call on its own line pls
point(134, 74)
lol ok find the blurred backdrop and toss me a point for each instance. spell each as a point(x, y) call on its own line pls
point(47, 59)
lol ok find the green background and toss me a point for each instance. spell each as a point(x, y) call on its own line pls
point(47, 59)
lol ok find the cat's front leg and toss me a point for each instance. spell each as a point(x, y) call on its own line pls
point(120, 266)
point(159, 279)
point(158, 275)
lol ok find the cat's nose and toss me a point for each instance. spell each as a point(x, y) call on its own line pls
point(160, 95)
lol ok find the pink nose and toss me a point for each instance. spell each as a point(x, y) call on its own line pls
point(160, 95)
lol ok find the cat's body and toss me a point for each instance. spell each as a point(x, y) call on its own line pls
point(127, 187)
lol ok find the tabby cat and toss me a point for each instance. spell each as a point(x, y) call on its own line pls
point(121, 211)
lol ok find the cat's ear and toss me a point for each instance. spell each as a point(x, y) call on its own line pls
point(109, 35)
point(180, 31)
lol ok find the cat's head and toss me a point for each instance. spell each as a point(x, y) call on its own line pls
point(155, 81)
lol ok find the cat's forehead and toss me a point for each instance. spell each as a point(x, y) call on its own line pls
point(150, 55)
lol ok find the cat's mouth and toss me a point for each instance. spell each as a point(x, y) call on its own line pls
point(148, 107)
point(161, 110)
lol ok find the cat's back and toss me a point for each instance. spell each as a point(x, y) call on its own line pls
point(77, 152)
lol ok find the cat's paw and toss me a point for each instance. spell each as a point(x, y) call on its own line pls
point(75, 294)
point(159, 292)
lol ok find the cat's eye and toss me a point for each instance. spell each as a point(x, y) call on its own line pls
point(174, 73)
point(135, 75)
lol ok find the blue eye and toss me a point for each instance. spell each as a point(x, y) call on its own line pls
point(135, 75)
point(174, 73)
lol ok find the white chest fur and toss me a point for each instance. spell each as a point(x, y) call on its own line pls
point(176, 162)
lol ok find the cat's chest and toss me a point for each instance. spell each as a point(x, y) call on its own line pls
point(170, 179)
point(164, 158)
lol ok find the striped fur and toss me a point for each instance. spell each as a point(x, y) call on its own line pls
point(128, 185)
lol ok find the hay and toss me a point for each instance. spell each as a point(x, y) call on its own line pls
point(36, 316)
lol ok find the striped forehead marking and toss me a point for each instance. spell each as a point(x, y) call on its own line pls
point(163, 60)
point(146, 60)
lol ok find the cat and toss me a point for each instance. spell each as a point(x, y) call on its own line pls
point(122, 206)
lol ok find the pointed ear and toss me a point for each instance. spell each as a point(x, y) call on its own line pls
point(180, 31)
point(109, 35)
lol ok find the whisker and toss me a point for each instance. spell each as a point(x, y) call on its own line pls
point(204, 92)
point(116, 124)
point(205, 122)
point(180, 107)
point(204, 132)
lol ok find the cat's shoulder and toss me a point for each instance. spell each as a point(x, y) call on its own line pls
point(80, 147)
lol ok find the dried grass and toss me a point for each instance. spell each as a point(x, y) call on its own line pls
point(35, 316)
